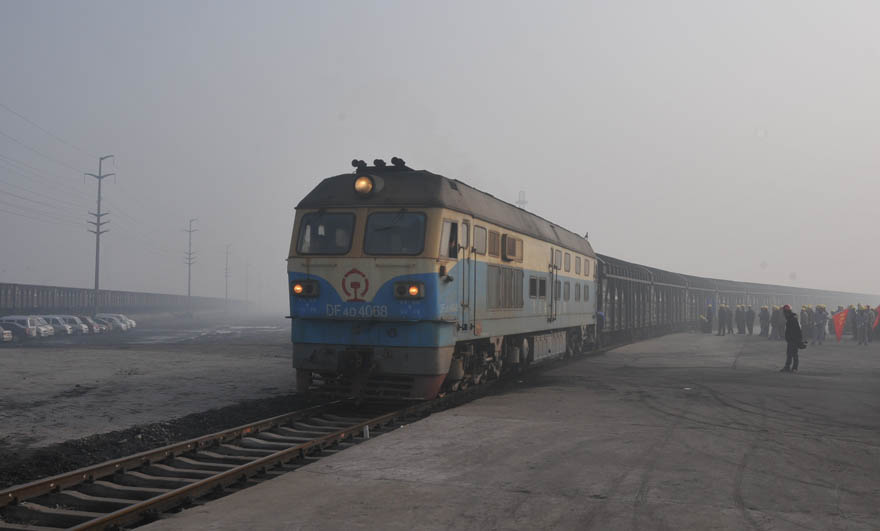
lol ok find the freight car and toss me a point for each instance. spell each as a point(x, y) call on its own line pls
point(405, 283)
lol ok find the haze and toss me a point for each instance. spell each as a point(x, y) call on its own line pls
point(734, 140)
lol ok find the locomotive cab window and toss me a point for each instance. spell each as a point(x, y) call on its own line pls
point(395, 233)
point(480, 239)
point(449, 240)
point(325, 233)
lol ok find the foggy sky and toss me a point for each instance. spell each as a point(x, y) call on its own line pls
point(734, 140)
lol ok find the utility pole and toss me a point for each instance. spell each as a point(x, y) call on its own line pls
point(98, 223)
point(226, 298)
point(247, 276)
point(190, 260)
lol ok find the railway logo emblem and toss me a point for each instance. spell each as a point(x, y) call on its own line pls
point(355, 286)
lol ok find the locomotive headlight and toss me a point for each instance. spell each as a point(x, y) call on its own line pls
point(363, 185)
point(304, 288)
point(409, 290)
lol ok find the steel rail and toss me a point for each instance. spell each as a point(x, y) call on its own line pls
point(90, 473)
point(134, 513)
point(181, 485)
point(70, 508)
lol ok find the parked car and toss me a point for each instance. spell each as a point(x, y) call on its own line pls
point(57, 323)
point(22, 326)
point(94, 326)
point(120, 317)
point(5, 335)
point(47, 329)
point(78, 326)
point(113, 324)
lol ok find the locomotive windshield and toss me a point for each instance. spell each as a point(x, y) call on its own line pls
point(325, 233)
point(392, 233)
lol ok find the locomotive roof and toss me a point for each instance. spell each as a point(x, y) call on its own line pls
point(423, 189)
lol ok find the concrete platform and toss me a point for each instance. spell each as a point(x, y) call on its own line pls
point(683, 432)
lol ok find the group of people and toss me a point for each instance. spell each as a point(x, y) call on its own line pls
point(742, 316)
point(815, 322)
point(781, 323)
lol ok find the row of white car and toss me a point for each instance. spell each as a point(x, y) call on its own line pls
point(23, 327)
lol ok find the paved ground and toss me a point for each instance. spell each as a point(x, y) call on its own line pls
point(683, 432)
point(63, 389)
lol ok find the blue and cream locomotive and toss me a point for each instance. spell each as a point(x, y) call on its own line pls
point(404, 283)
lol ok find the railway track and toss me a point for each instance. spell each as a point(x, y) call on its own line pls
point(137, 489)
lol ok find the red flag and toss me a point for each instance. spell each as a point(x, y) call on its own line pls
point(839, 319)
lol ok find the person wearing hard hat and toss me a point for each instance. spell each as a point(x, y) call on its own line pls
point(820, 322)
point(750, 320)
point(764, 319)
point(794, 340)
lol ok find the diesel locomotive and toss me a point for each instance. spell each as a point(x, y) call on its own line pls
point(404, 283)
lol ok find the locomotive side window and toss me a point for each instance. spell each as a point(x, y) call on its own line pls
point(493, 284)
point(567, 262)
point(577, 265)
point(566, 291)
point(505, 287)
point(586, 292)
point(395, 233)
point(480, 239)
point(494, 243)
point(542, 288)
point(325, 233)
point(533, 287)
point(449, 240)
point(577, 291)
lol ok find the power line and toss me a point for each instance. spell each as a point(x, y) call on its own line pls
point(35, 201)
point(44, 220)
point(40, 153)
point(32, 172)
point(43, 129)
point(39, 212)
point(79, 206)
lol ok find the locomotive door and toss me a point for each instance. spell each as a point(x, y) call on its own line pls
point(553, 281)
point(467, 266)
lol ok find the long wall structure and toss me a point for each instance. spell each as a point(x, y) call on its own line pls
point(33, 299)
point(640, 301)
